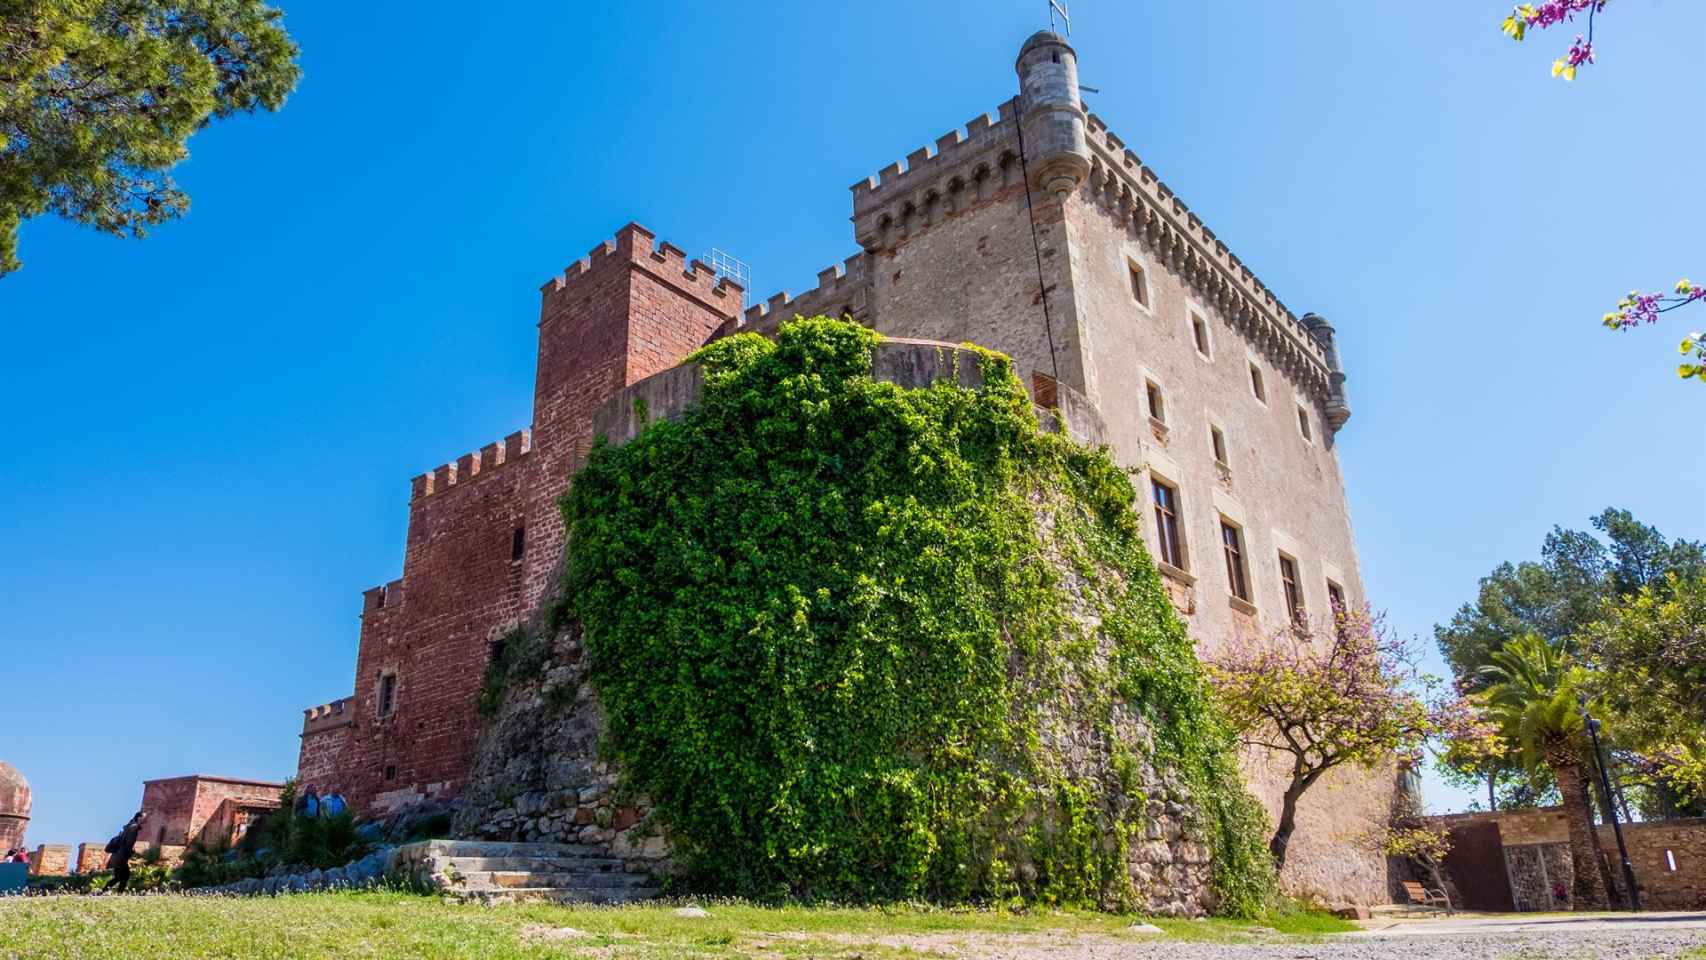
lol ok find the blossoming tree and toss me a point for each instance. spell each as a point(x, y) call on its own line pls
point(1351, 697)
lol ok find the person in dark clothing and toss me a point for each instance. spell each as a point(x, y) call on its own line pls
point(122, 847)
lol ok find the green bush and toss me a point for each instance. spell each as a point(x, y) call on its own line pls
point(832, 622)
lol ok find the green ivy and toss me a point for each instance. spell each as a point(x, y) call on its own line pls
point(841, 630)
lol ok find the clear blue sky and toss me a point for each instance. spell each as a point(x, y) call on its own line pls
point(206, 438)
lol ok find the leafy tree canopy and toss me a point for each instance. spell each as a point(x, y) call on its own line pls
point(1563, 592)
point(99, 97)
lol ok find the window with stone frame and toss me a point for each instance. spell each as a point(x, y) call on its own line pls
point(1336, 597)
point(1139, 283)
point(387, 694)
point(1169, 545)
point(1237, 570)
point(1199, 336)
point(1293, 588)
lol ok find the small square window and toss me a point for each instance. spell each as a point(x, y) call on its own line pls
point(1232, 545)
point(1199, 336)
point(1293, 588)
point(1217, 440)
point(1139, 284)
point(1336, 597)
point(1256, 382)
point(1303, 424)
point(1167, 540)
point(1157, 403)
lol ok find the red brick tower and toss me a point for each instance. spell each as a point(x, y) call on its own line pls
point(485, 537)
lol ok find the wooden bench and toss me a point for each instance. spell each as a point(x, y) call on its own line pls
point(1422, 898)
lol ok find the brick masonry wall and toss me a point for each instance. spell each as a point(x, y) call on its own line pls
point(630, 309)
point(176, 811)
point(91, 856)
point(51, 860)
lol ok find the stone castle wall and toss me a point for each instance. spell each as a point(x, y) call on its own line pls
point(177, 811)
point(971, 239)
point(1668, 856)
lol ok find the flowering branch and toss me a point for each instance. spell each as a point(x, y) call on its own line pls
point(1552, 13)
point(1638, 308)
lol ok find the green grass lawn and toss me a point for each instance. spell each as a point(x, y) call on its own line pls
point(386, 925)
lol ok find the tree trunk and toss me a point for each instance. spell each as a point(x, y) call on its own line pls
point(1590, 891)
point(1287, 820)
point(1613, 891)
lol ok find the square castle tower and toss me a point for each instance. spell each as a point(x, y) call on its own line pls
point(1034, 232)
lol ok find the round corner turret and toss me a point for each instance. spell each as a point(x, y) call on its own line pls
point(1338, 408)
point(1051, 116)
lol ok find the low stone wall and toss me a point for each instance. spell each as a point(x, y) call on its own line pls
point(51, 860)
point(1668, 856)
point(91, 857)
point(912, 364)
point(372, 870)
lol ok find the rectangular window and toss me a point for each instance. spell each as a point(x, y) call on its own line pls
point(387, 694)
point(1336, 597)
point(1293, 589)
point(1167, 524)
point(1157, 404)
point(1139, 285)
point(1303, 424)
point(1232, 543)
point(1218, 441)
point(518, 543)
point(1199, 334)
point(1256, 383)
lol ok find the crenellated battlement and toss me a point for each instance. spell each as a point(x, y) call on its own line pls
point(328, 715)
point(962, 168)
point(1136, 197)
point(386, 596)
point(842, 289)
point(470, 465)
point(635, 246)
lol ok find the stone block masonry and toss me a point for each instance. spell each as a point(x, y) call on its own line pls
point(91, 857)
point(1669, 856)
point(1032, 230)
point(51, 860)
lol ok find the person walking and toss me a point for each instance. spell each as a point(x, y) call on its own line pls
point(121, 848)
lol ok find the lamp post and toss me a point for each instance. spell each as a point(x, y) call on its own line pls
point(1611, 805)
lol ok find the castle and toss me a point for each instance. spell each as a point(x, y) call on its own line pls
point(1034, 232)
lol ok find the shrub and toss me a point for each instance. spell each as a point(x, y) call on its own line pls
point(840, 629)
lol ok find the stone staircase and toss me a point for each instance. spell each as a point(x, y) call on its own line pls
point(492, 872)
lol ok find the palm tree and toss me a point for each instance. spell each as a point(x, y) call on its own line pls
point(1531, 695)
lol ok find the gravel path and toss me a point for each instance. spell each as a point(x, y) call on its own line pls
point(1541, 939)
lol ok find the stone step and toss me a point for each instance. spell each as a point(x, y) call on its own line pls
point(473, 864)
point(509, 848)
point(559, 895)
point(566, 879)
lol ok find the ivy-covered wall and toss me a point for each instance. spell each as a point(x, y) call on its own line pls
point(856, 641)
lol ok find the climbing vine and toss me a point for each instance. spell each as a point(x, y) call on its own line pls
point(856, 641)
